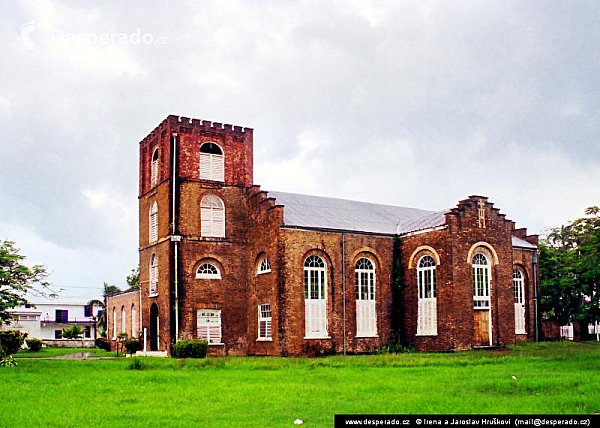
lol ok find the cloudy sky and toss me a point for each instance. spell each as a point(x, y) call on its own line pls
point(414, 103)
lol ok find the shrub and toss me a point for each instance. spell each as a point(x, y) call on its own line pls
point(103, 343)
point(34, 344)
point(132, 346)
point(11, 341)
point(136, 364)
point(195, 348)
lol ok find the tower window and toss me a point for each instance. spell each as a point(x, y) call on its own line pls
point(208, 271)
point(212, 162)
point(212, 217)
point(153, 222)
point(154, 169)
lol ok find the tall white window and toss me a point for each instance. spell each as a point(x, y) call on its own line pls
point(154, 169)
point(114, 335)
point(133, 322)
point(209, 325)
point(264, 266)
point(315, 297)
point(481, 282)
point(211, 162)
point(153, 228)
point(264, 322)
point(427, 316)
point(153, 275)
point(212, 217)
point(519, 293)
point(123, 320)
point(366, 317)
point(208, 271)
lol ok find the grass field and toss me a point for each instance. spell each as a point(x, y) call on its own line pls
point(272, 392)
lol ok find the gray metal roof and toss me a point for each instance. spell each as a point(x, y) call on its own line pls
point(521, 243)
point(340, 214)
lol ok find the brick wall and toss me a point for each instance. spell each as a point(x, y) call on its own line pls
point(129, 302)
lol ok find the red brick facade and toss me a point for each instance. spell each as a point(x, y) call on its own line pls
point(255, 229)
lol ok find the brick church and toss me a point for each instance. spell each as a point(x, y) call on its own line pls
point(259, 272)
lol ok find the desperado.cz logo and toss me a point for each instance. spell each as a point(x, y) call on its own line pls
point(60, 37)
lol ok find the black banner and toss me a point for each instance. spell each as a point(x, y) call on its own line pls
point(428, 421)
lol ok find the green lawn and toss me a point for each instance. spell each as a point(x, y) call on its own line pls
point(272, 392)
point(56, 352)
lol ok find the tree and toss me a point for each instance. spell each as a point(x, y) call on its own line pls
point(72, 332)
point(133, 279)
point(16, 280)
point(570, 270)
point(110, 289)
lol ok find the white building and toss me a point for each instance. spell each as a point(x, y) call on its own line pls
point(46, 318)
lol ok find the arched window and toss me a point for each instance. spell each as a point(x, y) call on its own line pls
point(366, 317)
point(133, 321)
point(123, 320)
point(427, 316)
point(264, 266)
point(153, 275)
point(211, 162)
point(154, 169)
point(208, 271)
point(212, 217)
point(481, 281)
point(519, 293)
point(114, 332)
point(315, 297)
point(153, 228)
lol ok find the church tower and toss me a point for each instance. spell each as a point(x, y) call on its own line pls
point(193, 214)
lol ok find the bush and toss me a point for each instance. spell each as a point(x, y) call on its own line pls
point(103, 343)
point(136, 364)
point(34, 345)
point(11, 341)
point(195, 348)
point(132, 346)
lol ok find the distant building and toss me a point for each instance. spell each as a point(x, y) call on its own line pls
point(273, 273)
point(46, 319)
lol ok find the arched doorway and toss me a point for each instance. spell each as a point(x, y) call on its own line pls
point(154, 327)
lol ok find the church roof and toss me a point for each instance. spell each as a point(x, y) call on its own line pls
point(340, 214)
point(521, 243)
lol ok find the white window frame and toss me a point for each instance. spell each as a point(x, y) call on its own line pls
point(519, 299)
point(153, 223)
point(212, 165)
point(315, 298)
point(114, 335)
point(427, 297)
point(208, 270)
point(154, 172)
point(481, 281)
point(153, 283)
point(264, 266)
point(365, 287)
point(123, 320)
point(265, 322)
point(212, 217)
point(209, 326)
point(133, 321)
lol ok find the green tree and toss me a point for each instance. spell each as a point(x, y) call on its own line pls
point(570, 270)
point(16, 280)
point(72, 332)
point(133, 279)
